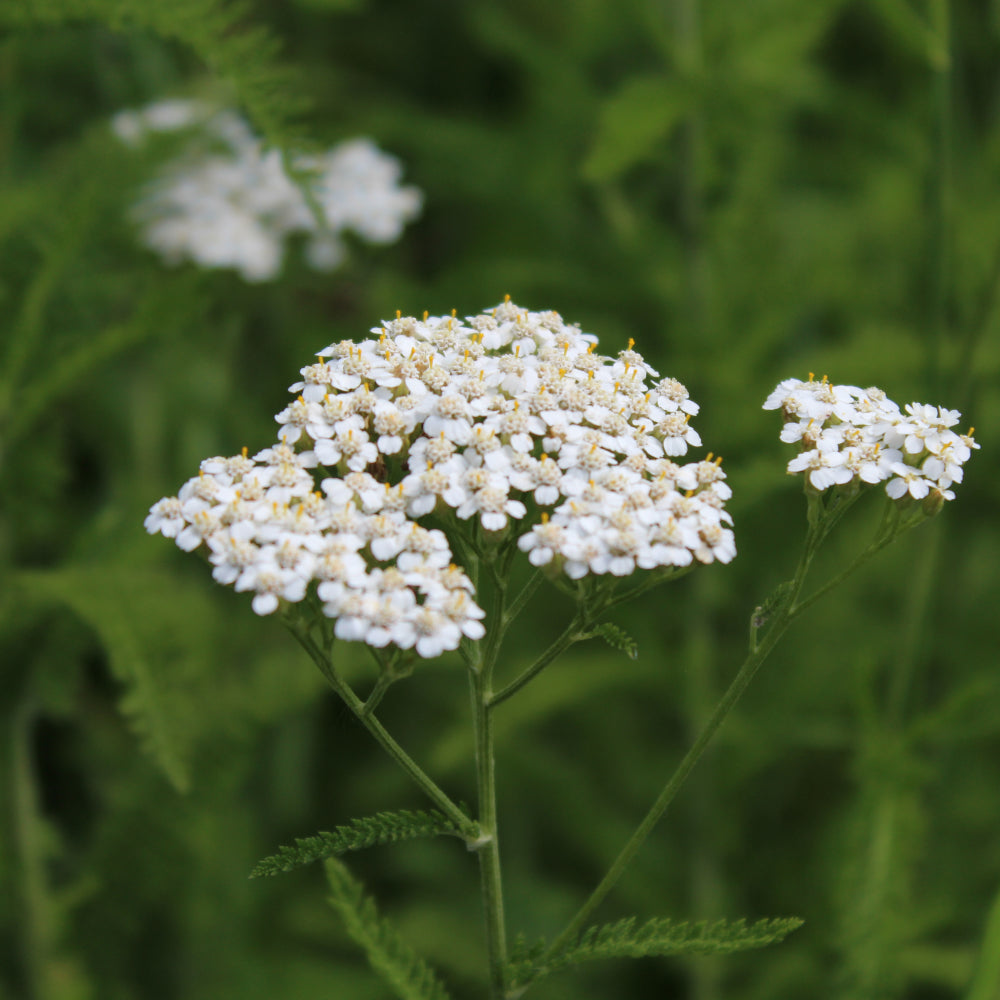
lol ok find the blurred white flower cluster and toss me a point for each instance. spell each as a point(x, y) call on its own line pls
point(509, 422)
point(228, 201)
point(847, 434)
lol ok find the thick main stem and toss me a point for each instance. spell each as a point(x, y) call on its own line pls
point(489, 846)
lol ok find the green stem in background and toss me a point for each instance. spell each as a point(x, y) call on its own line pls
point(987, 970)
point(915, 616)
point(38, 921)
point(686, 17)
point(942, 195)
point(427, 784)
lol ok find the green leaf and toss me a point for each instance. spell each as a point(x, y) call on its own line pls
point(143, 647)
point(151, 318)
point(617, 638)
point(986, 980)
point(366, 831)
point(633, 122)
point(220, 33)
point(659, 936)
point(409, 976)
point(910, 27)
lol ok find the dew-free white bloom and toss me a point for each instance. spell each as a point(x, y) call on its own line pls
point(511, 422)
point(849, 434)
point(228, 201)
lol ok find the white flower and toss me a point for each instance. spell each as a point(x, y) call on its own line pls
point(166, 516)
point(908, 480)
point(846, 433)
point(235, 206)
point(483, 422)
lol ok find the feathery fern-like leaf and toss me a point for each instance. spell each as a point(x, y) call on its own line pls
point(219, 32)
point(144, 653)
point(617, 638)
point(410, 977)
point(365, 831)
point(659, 936)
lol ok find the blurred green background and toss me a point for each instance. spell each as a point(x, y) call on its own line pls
point(752, 191)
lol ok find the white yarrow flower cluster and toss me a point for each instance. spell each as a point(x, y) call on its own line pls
point(507, 422)
point(846, 434)
point(228, 201)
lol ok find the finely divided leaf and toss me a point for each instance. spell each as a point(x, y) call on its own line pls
point(660, 936)
point(220, 32)
point(410, 977)
point(144, 649)
point(367, 831)
point(618, 638)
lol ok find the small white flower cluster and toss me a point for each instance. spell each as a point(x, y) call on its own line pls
point(267, 529)
point(847, 434)
point(478, 421)
point(228, 201)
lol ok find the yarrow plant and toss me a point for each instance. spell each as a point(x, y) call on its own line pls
point(413, 467)
point(229, 201)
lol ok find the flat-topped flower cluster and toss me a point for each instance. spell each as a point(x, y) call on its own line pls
point(508, 422)
point(848, 434)
point(228, 201)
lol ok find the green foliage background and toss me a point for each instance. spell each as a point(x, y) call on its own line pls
point(752, 191)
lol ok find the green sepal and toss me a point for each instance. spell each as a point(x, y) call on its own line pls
point(659, 936)
point(409, 976)
point(365, 831)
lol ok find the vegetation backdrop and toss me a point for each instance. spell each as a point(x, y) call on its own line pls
point(752, 191)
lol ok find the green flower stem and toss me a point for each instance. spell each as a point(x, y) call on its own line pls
point(488, 845)
point(835, 581)
point(785, 613)
point(574, 632)
point(430, 787)
point(382, 685)
point(666, 796)
point(654, 579)
point(890, 528)
point(519, 602)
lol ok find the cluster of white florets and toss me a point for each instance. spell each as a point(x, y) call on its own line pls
point(847, 434)
point(228, 201)
point(509, 422)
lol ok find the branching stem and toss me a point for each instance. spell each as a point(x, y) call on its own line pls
point(573, 633)
point(787, 609)
point(427, 784)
